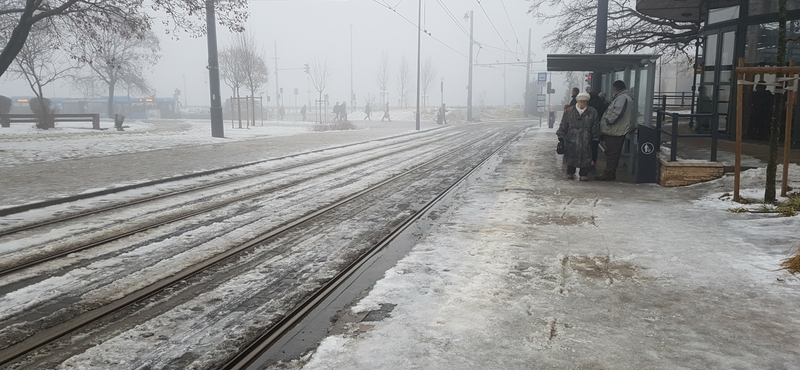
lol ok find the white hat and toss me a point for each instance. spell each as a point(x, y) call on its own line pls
point(582, 96)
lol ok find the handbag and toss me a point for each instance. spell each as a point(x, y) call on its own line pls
point(560, 149)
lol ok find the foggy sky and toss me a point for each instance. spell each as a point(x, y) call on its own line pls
point(305, 29)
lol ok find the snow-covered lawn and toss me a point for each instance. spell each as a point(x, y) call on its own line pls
point(23, 143)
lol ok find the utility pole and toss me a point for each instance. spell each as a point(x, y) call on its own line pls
point(528, 77)
point(352, 94)
point(277, 86)
point(600, 40)
point(469, 83)
point(419, 56)
point(184, 90)
point(504, 77)
point(217, 128)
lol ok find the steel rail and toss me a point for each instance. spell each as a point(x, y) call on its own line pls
point(51, 202)
point(268, 338)
point(60, 219)
point(204, 209)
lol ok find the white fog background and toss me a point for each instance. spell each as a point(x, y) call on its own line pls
point(305, 29)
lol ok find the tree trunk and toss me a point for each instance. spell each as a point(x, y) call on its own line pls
point(777, 111)
point(17, 39)
point(111, 111)
point(239, 106)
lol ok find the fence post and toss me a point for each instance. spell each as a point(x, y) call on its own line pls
point(714, 136)
point(659, 119)
point(673, 155)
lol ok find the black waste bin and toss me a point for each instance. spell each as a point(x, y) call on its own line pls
point(647, 155)
point(118, 119)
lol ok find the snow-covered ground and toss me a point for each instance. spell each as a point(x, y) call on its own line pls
point(23, 143)
point(531, 271)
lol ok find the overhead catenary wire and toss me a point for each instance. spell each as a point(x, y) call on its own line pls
point(495, 30)
point(511, 24)
point(387, 6)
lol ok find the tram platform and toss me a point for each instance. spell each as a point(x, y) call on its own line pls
point(528, 270)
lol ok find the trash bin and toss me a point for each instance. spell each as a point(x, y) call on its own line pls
point(647, 155)
point(551, 119)
point(118, 119)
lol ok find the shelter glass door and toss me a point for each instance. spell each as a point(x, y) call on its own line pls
point(716, 83)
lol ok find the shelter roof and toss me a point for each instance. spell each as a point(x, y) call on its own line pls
point(598, 62)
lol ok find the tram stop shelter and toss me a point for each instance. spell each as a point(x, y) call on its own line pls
point(638, 71)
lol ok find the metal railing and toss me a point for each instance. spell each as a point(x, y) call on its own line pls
point(678, 99)
point(674, 135)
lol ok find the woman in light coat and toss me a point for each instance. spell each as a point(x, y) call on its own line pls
point(579, 127)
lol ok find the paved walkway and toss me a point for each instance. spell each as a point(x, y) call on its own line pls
point(531, 271)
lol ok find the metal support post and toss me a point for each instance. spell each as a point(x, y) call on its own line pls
point(469, 83)
point(217, 128)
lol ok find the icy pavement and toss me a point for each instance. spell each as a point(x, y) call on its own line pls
point(531, 271)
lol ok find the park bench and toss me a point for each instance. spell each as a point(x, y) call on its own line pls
point(7, 118)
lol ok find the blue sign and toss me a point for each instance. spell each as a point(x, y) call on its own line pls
point(542, 77)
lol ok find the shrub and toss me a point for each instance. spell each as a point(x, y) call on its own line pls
point(5, 105)
point(43, 111)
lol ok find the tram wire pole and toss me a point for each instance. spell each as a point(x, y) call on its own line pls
point(419, 56)
point(217, 129)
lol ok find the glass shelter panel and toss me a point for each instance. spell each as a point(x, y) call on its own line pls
point(723, 14)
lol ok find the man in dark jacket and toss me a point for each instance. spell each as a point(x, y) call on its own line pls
point(575, 92)
point(617, 122)
point(600, 105)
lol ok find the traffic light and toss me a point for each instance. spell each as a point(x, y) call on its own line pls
point(589, 80)
point(307, 68)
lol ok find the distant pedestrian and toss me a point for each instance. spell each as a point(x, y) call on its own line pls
point(578, 129)
point(386, 113)
point(336, 112)
point(343, 112)
point(303, 112)
point(368, 112)
point(281, 112)
point(442, 117)
point(575, 92)
point(617, 122)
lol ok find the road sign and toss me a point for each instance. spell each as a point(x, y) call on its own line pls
point(540, 109)
point(296, 91)
point(542, 77)
point(541, 100)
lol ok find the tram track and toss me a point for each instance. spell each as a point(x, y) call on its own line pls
point(180, 215)
point(61, 218)
point(43, 337)
point(256, 348)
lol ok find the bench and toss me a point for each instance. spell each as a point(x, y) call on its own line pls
point(7, 118)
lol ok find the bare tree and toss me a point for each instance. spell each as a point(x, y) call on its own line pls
point(254, 68)
point(86, 84)
point(319, 77)
point(383, 76)
point(403, 81)
point(41, 62)
point(130, 18)
point(232, 73)
point(628, 30)
point(114, 58)
point(428, 75)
